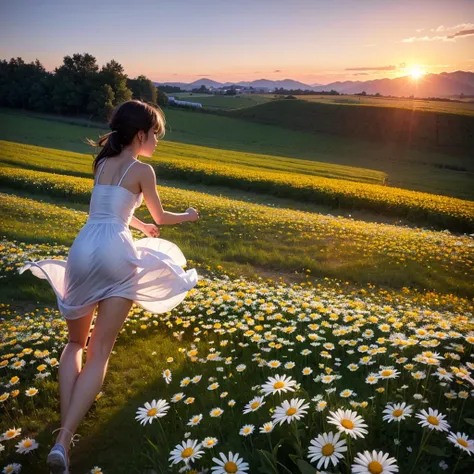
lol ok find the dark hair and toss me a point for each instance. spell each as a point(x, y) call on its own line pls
point(126, 121)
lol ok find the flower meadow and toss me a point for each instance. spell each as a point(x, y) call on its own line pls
point(265, 376)
point(261, 235)
point(442, 211)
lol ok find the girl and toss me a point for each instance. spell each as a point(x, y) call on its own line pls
point(105, 268)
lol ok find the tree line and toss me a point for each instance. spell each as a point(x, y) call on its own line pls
point(77, 87)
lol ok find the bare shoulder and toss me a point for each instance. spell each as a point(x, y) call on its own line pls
point(146, 174)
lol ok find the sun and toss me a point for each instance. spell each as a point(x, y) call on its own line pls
point(416, 72)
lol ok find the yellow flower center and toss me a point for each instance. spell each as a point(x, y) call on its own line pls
point(397, 413)
point(187, 452)
point(328, 450)
point(152, 412)
point(291, 411)
point(27, 443)
point(347, 424)
point(386, 373)
point(279, 385)
point(254, 405)
point(375, 467)
point(432, 420)
point(210, 442)
point(462, 442)
point(230, 466)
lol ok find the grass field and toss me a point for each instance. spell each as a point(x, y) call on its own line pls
point(223, 102)
point(409, 169)
point(357, 315)
point(462, 107)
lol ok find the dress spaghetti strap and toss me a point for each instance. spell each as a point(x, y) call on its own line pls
point(100, 171)
point(123, 176)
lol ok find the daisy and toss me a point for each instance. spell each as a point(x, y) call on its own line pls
point(372, 379)
point(4, 396)
point(349, 422)
point(347, 393)
point(155, 409)
point(288, 411)
point(327, 378)
point(327, 448)
point(195, 420)
point(253, 405)
point(167, 375)
point(26, 445)
point(246, 430)
point(31, 392)
point(10, 434)
point(10, 468)
point(374, 463)
point(230, 463)
point(321, 405)
point(209, 442)
point(279, 383)
point(462, 441)
point(96, 470)
point(187, 452)
point(274, 364)
point(267, 427)
point(215, 412)
point(397, 412)
point(433, 419)
point(307, 371)
point(388, 373)
point(177, 397)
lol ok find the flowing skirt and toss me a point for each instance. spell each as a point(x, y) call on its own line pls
point(105, 261)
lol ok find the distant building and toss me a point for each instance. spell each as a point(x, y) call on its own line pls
point(185, 103)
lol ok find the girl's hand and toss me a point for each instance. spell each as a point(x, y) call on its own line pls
point(193, 214)
point(150, 230)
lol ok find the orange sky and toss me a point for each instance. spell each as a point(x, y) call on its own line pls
point(314, 41)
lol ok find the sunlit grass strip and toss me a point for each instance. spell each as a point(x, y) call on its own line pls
point(442, 211)
point(263, 237)
point(51, 159)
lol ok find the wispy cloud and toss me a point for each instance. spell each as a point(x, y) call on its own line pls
point(378, 68)
point(450, 33)
point(462, 33)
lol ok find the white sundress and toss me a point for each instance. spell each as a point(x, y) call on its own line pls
point(105, 261)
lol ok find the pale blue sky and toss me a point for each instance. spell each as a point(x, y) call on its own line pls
point(308, 40)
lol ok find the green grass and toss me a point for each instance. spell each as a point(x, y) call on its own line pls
point(221, 101)
point(199, 167)
point(458, 108)
point(215, 138)
point(248, 238)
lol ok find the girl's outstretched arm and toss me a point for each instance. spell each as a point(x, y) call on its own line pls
point(137, 223)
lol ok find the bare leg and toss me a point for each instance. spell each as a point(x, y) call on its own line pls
point(111, 316)
point(70, 363)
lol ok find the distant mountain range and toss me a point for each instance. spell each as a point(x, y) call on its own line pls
point(430, 85)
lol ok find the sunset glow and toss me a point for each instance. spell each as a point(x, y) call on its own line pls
point(307, 41)
point(416, 72)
